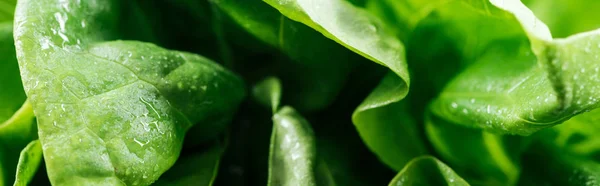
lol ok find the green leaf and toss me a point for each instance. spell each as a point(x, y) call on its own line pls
point(12, 95)
point(199, 168)
point(503, 91)
point(427, 170)
point(481, 157)
point(268, 93)
point(113, 112)
point(364, 34)
point(29, 161)
point(403, 15)
point(15, 133)
point(317, 67)
point(293, 158)
point(529, 83)
point(17, 122)
point(559, 15)
point(350, 26)
point(386, 126)
point(7, 9)
point(340, 146)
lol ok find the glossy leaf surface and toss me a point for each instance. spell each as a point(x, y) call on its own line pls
point(17, 123)
point(114, 112)
point(293, 158)
point(427, 170)
point(386, 126)
point(545, 88)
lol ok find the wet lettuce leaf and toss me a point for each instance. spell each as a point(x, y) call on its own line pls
point(500, 92)
point(385, 124)
point(351, 27)
point(375, 43)
point(545, 65)
point(112, 111)
point(427, 170)
point(545, 89)
point(17, 122)
point(293, 153)
point(293, 156)
point(361, 32)
point(336, 141)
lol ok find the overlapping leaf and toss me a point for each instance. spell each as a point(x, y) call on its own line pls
point(112, 112)
point(427, 170)
point(17, 123)
point(555, 78)
point(29, 161)
point(315, 65)
point(481, 157)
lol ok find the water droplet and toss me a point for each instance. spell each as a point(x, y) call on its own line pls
point(372, 28)
point(64, 37)
point(146, 126)
point(140, 143)
point(454, 105)
point(472, 100)
point(62, 20)
point(151, 107)
point(45, 44)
